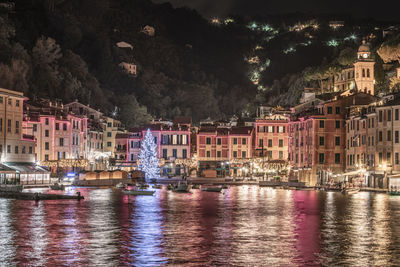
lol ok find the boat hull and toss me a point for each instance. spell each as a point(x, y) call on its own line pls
point(212, 189)
point(139, 192)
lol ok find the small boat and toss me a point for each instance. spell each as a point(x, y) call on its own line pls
point(142, 186)
point(212, 189)
point(120, 185)
point(225, 186)
point(350, 191)
point(182, 188)
point(157, 186)
point(393, 193)
point(57, 186)
point(139, 192)
point(170, 187)
point(196, 186)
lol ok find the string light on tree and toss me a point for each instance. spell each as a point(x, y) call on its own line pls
point(148, 161)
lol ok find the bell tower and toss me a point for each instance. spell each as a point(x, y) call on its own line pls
point(364, 70)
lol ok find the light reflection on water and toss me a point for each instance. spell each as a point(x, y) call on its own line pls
point(244, 225)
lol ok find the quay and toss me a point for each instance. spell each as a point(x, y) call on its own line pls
point(37, 196)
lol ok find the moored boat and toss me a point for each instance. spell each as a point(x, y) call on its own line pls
point(212, 189)
point(157, 186)
point(139, 192)
point(393, 193)
point(120, 185)
point(182, 187)
point(57, 186)
point(195, 186)
point(350, 191)
point(170, 187)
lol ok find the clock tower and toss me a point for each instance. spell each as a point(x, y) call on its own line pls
point(364, 70)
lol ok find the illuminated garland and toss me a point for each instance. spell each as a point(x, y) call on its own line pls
point(64, 163)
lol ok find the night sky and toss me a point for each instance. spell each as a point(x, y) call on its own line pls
point(382, 10)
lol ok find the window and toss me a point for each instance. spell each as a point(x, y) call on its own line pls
point(9, 102)
point(280, 154)
point(321, 158)
point(337, 110)
point(57, 126)
point(218, 154)
point(61, 141)
point(108, 144)
point(64, 126)
point(329, 110)
point(321, 124)
point(337, 140)
point(261, 143)
point(396, 137)
point(269, 142)
point(34, 127)
point(164, 153)
point(1, 148)
point(363, 72)
point(368, 73)
point(46, 121)
point(208, 141)
point(8, 149)
point(389, 135)
point(16, 149)
point(46, 157)
point(218, 141)
point(321, 140)
point(46, 146)
point(108, 124)
point(243, 141)
point(109, 134)
point(396, 114)
point(389, 157)
point(1, 100)
point(17, 103)
point(243, 154)
point(46, 133)
point(235, 154)
point(280, 142)
point(208, 154)
point(30, 150)
point(174, 153)
point(389, 115)
point(380, 157)
point(235, 141)
point(337, 158)
point(184, 153)
point(9, 126)
point(17, 127)
point(337, 124)
point(380, 115)
point(1, 124)
point(380, 136)
point(396, 158)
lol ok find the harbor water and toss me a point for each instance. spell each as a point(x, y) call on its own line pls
point(241, 226)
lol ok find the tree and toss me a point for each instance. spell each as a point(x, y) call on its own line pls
point(148, 160)
point(389, 52)
point(132, 113)
point(347, 56)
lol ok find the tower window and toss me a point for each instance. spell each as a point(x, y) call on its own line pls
point(363, 72)
point(368, 73)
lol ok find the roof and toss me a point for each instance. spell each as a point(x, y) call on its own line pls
point(26, 167)
point(182, 120)
point(364, 47)
point(241, 130)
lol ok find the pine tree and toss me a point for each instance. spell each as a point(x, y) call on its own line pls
point(148, 160)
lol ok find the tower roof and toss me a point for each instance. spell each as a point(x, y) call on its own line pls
point(364, 47)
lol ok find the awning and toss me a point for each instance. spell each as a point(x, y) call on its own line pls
point(5, 169)
point(25, 167)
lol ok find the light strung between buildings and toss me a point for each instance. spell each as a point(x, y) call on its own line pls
point(148, 160)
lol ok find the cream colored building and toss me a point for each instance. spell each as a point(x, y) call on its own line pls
point(111, 128)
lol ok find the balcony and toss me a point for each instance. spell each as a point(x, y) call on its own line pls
point(28, 137)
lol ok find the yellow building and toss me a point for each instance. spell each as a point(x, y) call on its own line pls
point(111, 128)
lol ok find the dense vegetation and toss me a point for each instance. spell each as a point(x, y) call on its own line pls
point(67, 49)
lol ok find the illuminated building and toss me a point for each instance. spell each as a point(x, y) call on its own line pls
point(58, 133)
point(17, 147)
point(317, 138)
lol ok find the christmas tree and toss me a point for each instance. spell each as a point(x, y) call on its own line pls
point(148, 160)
